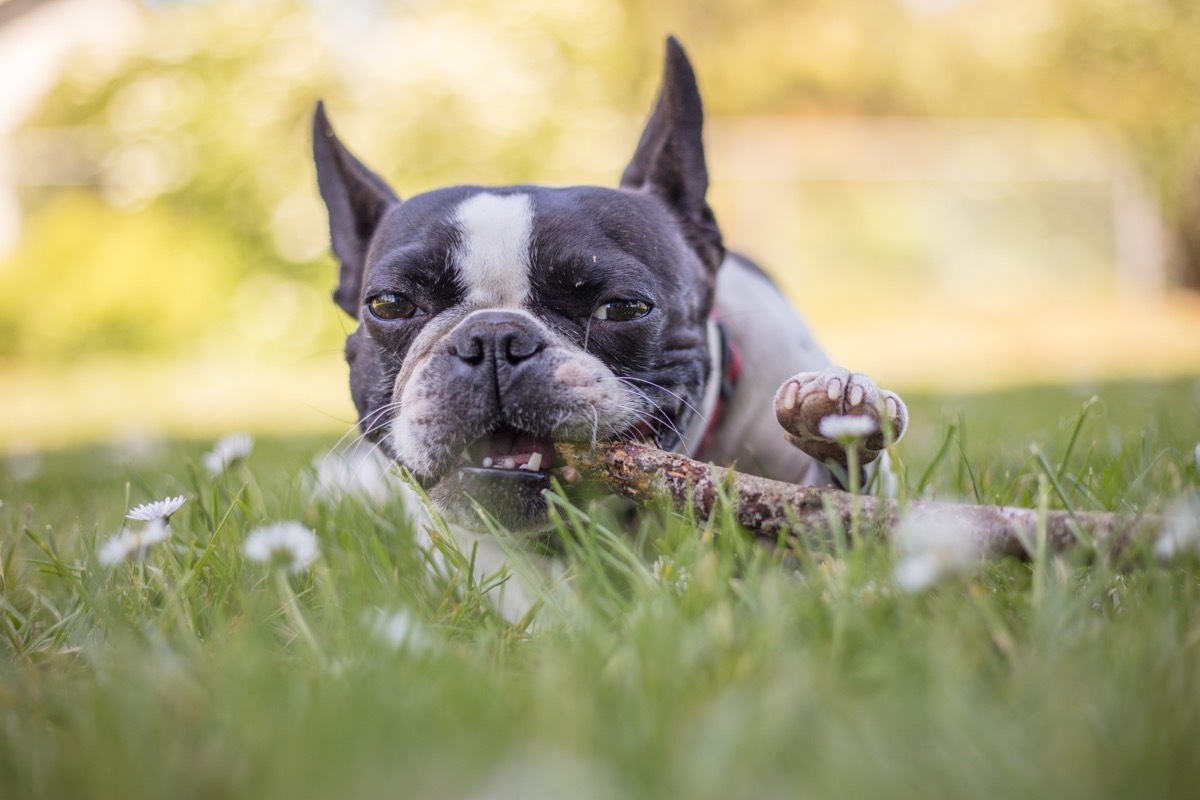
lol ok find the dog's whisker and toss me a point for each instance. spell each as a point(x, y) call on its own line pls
point(366, 424)
point(660, 387)
point(668, 422)
point(355, 435)
point(352, 434)
point(367, 458)
point(666, 418)
point(655, 412)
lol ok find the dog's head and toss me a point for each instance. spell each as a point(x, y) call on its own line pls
point(495, 322)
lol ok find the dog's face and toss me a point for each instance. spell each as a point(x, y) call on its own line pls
point(495, 322)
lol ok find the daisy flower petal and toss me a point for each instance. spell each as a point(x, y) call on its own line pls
point(933, 543)
point(670, 573)
point(846, 426)
point(398, 629)
point(289, 544)
point(158, 509)
point(917, 572)
point(128, 544)
point(227, 452)
point(114, 551)
point(1181, 528)
point(358, 472)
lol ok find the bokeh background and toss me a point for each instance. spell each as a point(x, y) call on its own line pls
point(961, 194)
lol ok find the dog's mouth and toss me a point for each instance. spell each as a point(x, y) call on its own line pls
point(508, 449)
point(506, 473)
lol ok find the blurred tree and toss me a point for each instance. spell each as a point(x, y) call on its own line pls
point(188, 177)
point(198, 137)
point(1135, 64)
point(203, 129)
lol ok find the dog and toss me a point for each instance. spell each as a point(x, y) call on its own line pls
point(494, 322)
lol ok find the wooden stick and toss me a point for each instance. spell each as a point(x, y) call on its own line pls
point(781, 511)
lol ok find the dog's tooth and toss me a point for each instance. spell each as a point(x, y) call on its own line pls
point(856, 395)
point(835, 389)
point(789, 397)
point(487, 461)
point(508, 462)
point(534, 464)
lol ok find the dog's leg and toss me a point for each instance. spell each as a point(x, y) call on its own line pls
point(806, 399)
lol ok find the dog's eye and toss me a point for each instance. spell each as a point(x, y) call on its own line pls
point(392, 306)
point(622, 310)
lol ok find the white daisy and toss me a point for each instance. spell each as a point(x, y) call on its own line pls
point(359, 472)
point(132, 543)
point(227, 452)
point(667, 571)
point(289, 544)
point(932, 544)
point(398, 629)
point(159, 509)
point(1181, 528)
point(846, 427)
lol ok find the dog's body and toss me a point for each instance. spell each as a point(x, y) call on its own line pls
point(495, 322)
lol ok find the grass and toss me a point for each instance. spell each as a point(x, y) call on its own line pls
point(186, 675)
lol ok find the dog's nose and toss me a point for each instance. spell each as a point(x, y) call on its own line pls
point(506, 336)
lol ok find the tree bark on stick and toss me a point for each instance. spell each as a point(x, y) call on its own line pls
point(779, 511)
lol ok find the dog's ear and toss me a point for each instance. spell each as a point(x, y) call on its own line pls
point(356, 199)
point(669, 160)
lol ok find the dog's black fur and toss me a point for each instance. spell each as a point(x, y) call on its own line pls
point(494, 322)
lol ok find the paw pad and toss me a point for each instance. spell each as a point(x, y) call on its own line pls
point(810, 397)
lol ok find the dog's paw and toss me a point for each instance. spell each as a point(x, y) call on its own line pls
point(806, 399)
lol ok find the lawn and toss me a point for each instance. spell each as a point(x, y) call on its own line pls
point(199, 672)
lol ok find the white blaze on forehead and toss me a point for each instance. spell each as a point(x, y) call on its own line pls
point(493, 254)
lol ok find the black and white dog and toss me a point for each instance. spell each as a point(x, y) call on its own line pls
point(495, 322)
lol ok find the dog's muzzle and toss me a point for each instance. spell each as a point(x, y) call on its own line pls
point(496, 353)
point(507, 462)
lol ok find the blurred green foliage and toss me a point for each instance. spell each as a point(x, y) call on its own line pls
point(194, 218)
point(110, 281)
